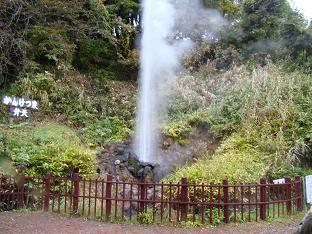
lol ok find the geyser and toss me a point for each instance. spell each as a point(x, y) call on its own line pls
point(167, 28)
point(157, 60)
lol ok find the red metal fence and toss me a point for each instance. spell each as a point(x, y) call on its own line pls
point(152, 202)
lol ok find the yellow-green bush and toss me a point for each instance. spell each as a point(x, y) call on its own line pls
point(180, 129)
point(265, 120)
point(61, 160)
point(47, 148)
point(104, 131)
point(235, 160)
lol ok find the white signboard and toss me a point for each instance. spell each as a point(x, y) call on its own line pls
point(308, 188)
point(279, 181)
point(20, 107)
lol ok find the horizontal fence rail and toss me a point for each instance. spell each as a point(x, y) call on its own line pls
point(112, 200)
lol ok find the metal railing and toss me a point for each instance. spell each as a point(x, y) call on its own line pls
point(121, 201)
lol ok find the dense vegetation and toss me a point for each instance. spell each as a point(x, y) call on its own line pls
point(263, 117)
point(251, 88)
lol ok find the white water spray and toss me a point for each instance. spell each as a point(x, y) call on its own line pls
point(162, 47)
point(157, 58)
point(158, 22)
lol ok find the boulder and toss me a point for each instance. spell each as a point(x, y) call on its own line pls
point(305, 226)
point(119, 160)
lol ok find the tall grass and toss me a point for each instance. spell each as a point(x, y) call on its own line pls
point(264, 117)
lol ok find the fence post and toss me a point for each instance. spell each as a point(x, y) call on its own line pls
point(21, 190)
point(47, 179)
point(226, 201)
point(142, 195)
point(108, 197)
point(298, 193)
point(288, 195)
point(75, 194)
point(262, 199)
point(184, 199)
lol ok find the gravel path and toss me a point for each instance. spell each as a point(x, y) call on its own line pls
point(38, 222)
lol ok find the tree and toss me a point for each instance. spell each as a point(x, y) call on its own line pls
point(229, 8)
point(15, 17)
point(270, 27)
point(124, 8)
point(263, 19)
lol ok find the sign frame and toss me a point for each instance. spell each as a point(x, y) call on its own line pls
point(308, 189)
point(19, 107)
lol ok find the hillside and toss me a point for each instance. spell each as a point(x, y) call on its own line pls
point(248, 92)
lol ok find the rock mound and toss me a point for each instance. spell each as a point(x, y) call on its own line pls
point(120, 161)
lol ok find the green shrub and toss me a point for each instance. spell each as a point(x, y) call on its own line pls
point(66, 99)
point(6, 165)
point(49, 46)
point(99, 13)
point(37, 87)
point(180, 130)
point(122, 8)
point(216, 219)
point(190, 224)
point(48, 148)
point(94, 54)
point(69, 99)
point(58, 134)
point(264, 118)
point(61, 160)
point(55, 97)
point(106, 130)
point(235, 160)
point(146, 217)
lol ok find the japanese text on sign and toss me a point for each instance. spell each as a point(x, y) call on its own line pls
point(20, 107)
point(18, 112)
point(279, 181)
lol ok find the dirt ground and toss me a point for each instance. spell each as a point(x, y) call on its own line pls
point(38, 222)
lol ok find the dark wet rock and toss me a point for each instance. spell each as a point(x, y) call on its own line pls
point(143, 164)
point(120, 148)
point(148, 174)
point(140, 173)
point(120, 161)
point(131, 211)
point(305, 226)
point(147, 164)
point(131, 170)
point(171, 156)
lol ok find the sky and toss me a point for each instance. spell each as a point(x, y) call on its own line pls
point(305, 6)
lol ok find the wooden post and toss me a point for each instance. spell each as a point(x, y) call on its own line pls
point(226, 210)
point(142, 195)
point(46, 202)
point(288, 195)
point(184, 199)
point(262, 199)
point(108, 197)
point(75, 179)
point(298, 193)
point(21, 190)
